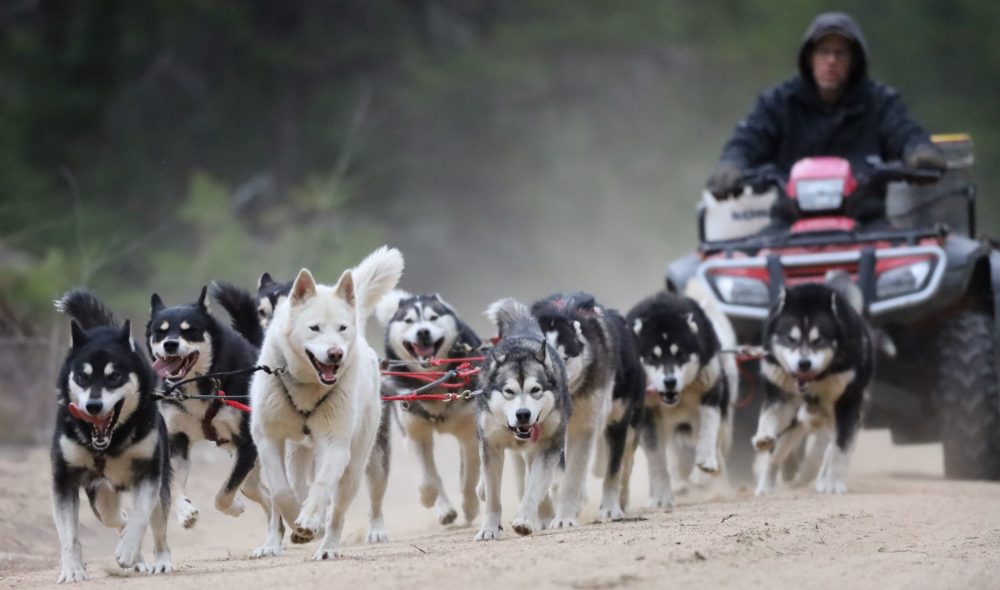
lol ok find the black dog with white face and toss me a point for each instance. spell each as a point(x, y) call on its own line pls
point(187, 341)
point(820, 360)
point(109, 438)
point(687, 389)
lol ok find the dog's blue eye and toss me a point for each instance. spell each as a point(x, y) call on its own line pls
point(314, 328)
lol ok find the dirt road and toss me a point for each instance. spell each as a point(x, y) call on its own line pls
point(902, 526)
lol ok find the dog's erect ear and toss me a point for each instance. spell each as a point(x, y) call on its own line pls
point(345, 287)
point(77, 337)
point(203, 298)
point(303, 288)
point(782, 296)
point(156, 304)
point(126, 334)
point(540, 353)
point(693, 325)
point(265, 280)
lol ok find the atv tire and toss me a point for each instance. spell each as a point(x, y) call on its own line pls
point(968, 395)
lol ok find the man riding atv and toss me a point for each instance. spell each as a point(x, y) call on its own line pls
point(831, 142)
point(831, 108)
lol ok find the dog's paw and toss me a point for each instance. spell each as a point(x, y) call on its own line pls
point(266, 551)
point(187, 514)
point(565, 522)
point(229, 504)
point(447, 516)
point(127, 553)
point(708, 463)
point(326, 553)
point(831, 485)
point(488, 534)
point(763, 442)
point(309, 524)
point(663, 502)
point(72, 571)
point(161, 564)
point(523, 526)
point(428, 494)
point(764, 487)
point(141, 567)
point(376, 535)
point(610, 514)
point(299, 537)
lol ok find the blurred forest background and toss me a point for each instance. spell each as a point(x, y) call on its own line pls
point(507, 147)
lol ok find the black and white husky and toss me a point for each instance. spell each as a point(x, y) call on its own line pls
point(820, 359)
point(109, 438)
point(525, 407)
point(269, 295)
point(186, 341)
point(688, 390)
point(591, 342)
point(423, 328)
point(322, 406)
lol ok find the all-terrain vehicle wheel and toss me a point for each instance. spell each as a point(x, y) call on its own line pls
point(968, 395)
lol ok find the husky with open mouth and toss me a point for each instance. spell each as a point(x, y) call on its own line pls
point(419, 329)
point(820, 358)
point(689, 385)
point(187, 341)
point(109, 438)
point(323, 405)
point(524, 407)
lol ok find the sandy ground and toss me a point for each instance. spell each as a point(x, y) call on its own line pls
point(902, 526)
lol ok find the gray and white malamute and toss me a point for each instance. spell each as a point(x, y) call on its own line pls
point(590, 344)
point(820, 358)
point(187, 341)
point(315, 420)
point(109, 438)
point(525, 407)
point(423, 328)
point(689, 385)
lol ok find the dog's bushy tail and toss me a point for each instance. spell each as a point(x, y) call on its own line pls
point(242, 309)
point(87, 309)
point(377, 274)
point(387, 306)
point(513, 317)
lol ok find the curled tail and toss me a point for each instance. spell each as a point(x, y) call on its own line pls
point(513, 317)
point(242, 309)
point(375, 277)
point(87, 309)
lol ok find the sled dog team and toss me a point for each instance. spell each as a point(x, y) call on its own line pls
point(567, 384)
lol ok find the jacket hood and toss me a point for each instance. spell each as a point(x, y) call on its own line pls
point(840, 24)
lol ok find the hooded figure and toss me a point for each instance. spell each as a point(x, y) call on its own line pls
point(830, 108)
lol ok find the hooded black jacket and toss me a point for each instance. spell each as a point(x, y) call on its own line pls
point(790, 121)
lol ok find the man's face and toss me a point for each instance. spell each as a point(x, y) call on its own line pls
point(831, 63)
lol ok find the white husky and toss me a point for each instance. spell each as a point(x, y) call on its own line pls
point(323, 406)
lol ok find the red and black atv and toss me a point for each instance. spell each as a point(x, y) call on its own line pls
point(928, 283)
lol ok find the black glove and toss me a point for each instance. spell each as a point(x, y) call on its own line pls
point(927, 156)
point(724, 179)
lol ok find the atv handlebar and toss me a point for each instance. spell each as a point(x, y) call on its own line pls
point(761, 178)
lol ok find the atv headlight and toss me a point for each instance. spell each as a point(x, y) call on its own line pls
point(742, 290)
point(902, 280)
point(820, 195)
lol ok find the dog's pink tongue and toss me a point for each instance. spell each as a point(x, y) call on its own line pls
point(329, 371)
point(167, 366)
point(536, 432)
point(423, 351)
